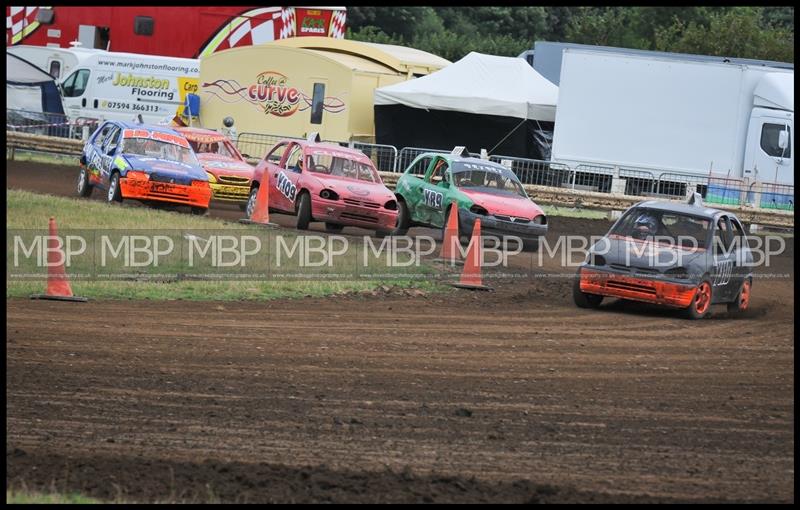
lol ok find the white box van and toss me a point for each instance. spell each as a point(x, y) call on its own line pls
point(120, 86)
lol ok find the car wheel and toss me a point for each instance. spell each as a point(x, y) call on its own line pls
point(251, 202)
point(199, 211)
point(742, 299)
point(303, 211)
point(84, 188)
point(114, 193)
point(403, 219)
point(333, 227)
point(701, 302)
point(582, 299)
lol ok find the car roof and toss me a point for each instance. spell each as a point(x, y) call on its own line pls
point(150, 127)
point(453, 158)
point(327, 145)
point(684, 208)
point(189, 131)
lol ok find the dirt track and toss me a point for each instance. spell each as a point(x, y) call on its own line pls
point(512, 396)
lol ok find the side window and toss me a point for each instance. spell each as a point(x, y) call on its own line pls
point(770, 134)
point(295, 160)
point(723, 237)
point(75, 85)
point(437, 176)
point(55, 69)
point(103, 134)
point(421, 166)
point(277, 153)
point(111, 141)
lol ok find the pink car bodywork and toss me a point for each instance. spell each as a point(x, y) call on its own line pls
point(338, 200)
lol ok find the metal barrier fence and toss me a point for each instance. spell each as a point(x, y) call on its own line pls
point(539, 172)
point(384, 157)
point(638, 182)
point(407, 155)
point(256, 145)
point(589, 177)
point(49, 124)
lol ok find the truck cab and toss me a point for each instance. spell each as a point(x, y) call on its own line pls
point(770, 134)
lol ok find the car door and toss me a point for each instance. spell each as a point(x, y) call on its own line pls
point(723, 259)
point(283, 178)
point(410, 186)
point(108, 152)
point(92, 152)
point(433, 192)
point(743, 258)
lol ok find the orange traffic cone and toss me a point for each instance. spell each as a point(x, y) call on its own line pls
point(260, 214)
point(471, 275)
point(57, 284)
point(450, 240)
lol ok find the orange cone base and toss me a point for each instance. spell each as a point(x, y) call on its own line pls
point(60, 298)
point(471, 286)
point(269, 224)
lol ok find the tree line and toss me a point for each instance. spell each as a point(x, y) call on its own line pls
point(452, 32)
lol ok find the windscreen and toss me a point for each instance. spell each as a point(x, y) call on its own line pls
point(487, 178)
point(147, 147)
point(324, 163)
point(221, 147)
point(664, 226)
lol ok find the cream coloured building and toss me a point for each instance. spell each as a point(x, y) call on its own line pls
point(296, 86)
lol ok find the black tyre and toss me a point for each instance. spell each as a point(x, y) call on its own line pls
point(582, 299)
point(333, 228)
point(84, 188)
point(701, 302)
point(742, 301)
point(403, 219)
point(251, 202)
point(114, 193)
point(199, 211)
point(303, 211)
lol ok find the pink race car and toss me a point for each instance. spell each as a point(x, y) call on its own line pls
point(325, 182)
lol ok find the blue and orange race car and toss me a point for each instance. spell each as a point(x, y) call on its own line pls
point(143, 162)
point(684, 256)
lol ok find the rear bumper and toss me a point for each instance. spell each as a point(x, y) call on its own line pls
point(230, 193)
point(336, 211)
point(655, 291)
point(138, 189)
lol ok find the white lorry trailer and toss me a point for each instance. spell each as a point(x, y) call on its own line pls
point(58, 62)
point(660, 115)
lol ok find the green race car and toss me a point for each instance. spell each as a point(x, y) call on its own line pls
point(480, 188)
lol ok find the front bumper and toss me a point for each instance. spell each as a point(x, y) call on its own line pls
point(354, 213)
point(230, 193)
point(657, 291)
point(491, 226)
point(140, 189)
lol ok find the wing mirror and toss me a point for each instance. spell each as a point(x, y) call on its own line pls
point(783, 139)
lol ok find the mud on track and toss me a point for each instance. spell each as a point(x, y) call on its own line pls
point(510, 396)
